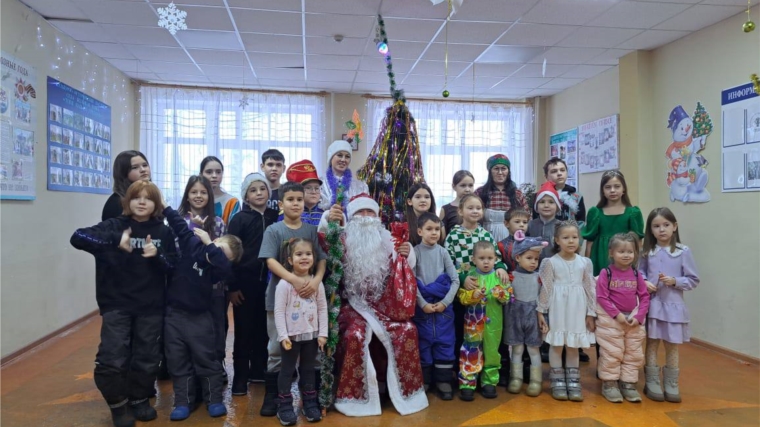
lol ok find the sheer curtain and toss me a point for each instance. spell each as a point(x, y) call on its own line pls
point(463, 135)
point(181, 126)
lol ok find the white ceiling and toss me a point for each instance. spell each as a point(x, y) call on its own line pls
point(263, 44)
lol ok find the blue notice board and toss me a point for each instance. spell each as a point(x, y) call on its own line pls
point(79, 141)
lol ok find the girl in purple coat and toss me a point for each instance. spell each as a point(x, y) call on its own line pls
point(669, 269)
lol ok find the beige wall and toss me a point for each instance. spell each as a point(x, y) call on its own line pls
point(723, 233)
point(45, 282)
point(593, 99)
point(340, 109)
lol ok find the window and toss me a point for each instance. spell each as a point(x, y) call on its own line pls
point(455, 136)
point(180, 127)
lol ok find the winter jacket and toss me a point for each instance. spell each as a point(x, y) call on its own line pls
point(250, 273)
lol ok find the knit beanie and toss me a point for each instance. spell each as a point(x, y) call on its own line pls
point(359, 202)
point(498, 159)
point(336, 146)
point(547, 189)
point(250, 179)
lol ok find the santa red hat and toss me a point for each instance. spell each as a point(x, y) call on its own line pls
point(547, 189)
point(359, 202)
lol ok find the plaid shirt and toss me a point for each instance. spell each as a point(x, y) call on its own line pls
point(499, 200)
point(309, 216)
point(459, 244)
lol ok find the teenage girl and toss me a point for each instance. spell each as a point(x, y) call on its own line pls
point(669, 269)
point(301, 330)
point(623, 302)
point(128, 167)
point(613, 214)
point(419, 200)
point(463, 183)
point(568, 294)
point(226, 205)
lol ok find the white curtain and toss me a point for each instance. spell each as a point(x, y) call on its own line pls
point(181, 126)
point(463, 135)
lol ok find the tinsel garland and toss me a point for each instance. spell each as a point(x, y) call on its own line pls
point(335, 184)
point(332, 284)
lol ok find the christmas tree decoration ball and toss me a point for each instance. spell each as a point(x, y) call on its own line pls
point(748, 26)
point(445, 93)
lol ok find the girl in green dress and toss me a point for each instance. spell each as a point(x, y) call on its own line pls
point(613, 214)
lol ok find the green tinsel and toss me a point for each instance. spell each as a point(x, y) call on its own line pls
point(335, 266)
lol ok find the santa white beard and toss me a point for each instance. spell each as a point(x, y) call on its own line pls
point(369, 248)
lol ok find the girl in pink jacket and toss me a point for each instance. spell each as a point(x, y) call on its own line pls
point(622, 304)
point(301, 330)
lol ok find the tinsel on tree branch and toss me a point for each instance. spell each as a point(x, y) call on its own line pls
point(394, 164)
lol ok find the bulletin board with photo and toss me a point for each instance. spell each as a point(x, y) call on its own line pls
point(740, 140)
point(565, 146)
point(598, 145)
point(79, 141)
point(18, 119)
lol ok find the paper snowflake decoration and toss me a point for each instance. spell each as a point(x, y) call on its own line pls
point(172, 18)
point(244, 102)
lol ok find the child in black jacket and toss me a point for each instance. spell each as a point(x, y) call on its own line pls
point(133, 253)
point(248, 287)
point(189, 323)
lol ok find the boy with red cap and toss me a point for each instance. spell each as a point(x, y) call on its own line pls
point(305, 173)
point(547, 205)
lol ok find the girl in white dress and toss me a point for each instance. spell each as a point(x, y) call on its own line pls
point(568, 294)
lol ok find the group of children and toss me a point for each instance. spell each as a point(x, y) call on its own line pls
point(475, 295)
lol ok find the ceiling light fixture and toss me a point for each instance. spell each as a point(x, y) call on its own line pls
point(172, 18)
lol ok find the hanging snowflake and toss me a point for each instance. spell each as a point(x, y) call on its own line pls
point(244, 101)
point(172, 18)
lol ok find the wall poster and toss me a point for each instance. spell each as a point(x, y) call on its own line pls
point(740, 139)
point(598, 145)
point(79, 141)
point(565, 146)
point(18, 121)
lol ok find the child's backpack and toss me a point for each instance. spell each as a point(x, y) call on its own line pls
point(609, 275)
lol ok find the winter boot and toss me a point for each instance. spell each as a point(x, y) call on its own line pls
point(559, 385)
point(515, 378)
point(467, 394)
point(285, 412)
point(240, 378)
point(442, 378)
point(536, 377)
point(489, 391)
point(269, 406)
point(629, 392)
point(670, 381)
point(142, 410)
point(427, 376)
point(121, 415)
point(574, 384)
point(311, 407)
point(611, 391)
point(653, 387)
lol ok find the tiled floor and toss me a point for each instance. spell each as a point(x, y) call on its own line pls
point(53, 386)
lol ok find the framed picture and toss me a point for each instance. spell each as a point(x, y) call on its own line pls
point(354, 145)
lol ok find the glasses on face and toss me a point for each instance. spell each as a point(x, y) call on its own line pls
point(311, 189)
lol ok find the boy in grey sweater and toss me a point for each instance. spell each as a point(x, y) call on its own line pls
point(437, 285)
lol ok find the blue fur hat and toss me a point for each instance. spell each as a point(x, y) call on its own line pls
point(524, 244)
point(676, 116)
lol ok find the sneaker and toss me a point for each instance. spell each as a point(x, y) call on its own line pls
point(311, 407)
point(285, 412)
point(122, 416)
point(629, 392)
point(466, 394)
point(180, 413)
point(611, 392)
point(217, 410)
point(142, 410)
point(489, 392)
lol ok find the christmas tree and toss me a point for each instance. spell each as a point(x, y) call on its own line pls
point(395, 163)
point(702, 122)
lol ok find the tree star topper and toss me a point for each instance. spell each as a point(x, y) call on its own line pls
point(172, 18)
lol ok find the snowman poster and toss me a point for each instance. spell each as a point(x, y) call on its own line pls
point(686, 168)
